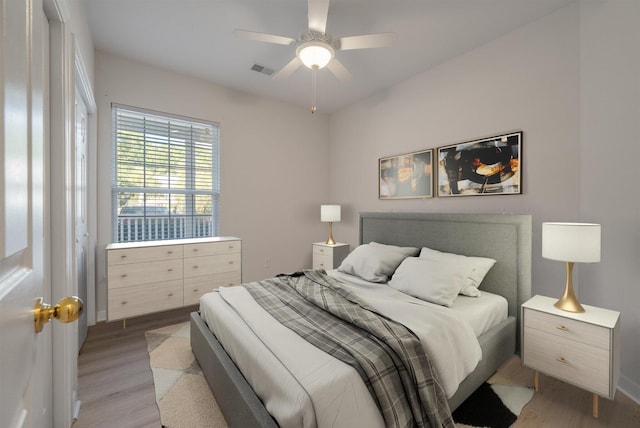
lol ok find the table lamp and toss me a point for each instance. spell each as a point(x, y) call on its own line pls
point(571, 243)
point(329, 214)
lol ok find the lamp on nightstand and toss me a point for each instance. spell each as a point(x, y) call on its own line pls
point(571, 243)
point(330, 214)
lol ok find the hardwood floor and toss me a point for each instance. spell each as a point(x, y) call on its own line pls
point(560, 405)
point(116, 385)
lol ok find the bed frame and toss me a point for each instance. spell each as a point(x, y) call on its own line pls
point(506, 238)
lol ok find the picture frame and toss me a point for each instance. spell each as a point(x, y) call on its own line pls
point(488, 166)
point(406, 176)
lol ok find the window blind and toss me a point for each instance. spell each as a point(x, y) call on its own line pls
point(165, 176)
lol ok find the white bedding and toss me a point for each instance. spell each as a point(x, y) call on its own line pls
point(300, 384)
point(481, 312)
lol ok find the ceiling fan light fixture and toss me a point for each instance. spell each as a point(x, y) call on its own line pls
point(315, 54)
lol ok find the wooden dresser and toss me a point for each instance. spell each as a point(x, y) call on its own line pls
point(579, 348)
point(146, 277)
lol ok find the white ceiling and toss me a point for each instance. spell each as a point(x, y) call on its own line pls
point(195, 37)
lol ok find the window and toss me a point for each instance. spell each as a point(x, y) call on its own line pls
point(165, 176)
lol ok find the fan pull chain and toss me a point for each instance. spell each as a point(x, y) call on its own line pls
point(313, 88)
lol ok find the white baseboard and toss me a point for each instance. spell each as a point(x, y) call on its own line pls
point(76, 406)
point(101, 316)
point(630, 388)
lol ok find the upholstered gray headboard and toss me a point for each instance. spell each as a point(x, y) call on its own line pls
point(503, 237)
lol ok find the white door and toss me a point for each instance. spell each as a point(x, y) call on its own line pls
point(81, 228)
point(22, 214)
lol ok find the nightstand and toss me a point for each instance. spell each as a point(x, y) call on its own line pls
point(327, 256)
point(582, 349)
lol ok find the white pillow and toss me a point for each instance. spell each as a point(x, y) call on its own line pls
point(375, 262)
point(434, 281)
point(407, 251)
point(476, 266)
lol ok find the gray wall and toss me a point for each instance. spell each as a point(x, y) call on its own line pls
point(610, 150)
point(274, 163)
point(575, 96)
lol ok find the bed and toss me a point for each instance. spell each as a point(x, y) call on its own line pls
point(505, 238)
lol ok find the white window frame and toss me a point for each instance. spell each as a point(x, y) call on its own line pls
point(187, 225)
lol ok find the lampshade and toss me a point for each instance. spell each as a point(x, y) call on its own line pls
point(571, 242)
point(315, 54)
point(329, 213)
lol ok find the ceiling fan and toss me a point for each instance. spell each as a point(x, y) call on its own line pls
point(315, 49)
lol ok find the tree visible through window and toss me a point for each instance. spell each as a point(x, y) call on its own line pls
point(165, 176)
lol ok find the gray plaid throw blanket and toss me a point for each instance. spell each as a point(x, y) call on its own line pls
point(387, 355)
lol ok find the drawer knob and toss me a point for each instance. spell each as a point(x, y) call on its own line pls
point(170, 294)
point(170, 270)
point(195, 250)
point(563, 328)
point(124, 275)
point(124, 256)
point(195, 290)
point(169, 252)
point(231, 262)
point(195, 267)
point(124, 303)
point(561, 360)
point(321, 250)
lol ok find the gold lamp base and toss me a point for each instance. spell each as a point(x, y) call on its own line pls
point(330, 241)
point(569, 302)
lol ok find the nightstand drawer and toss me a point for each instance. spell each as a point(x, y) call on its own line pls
point(582, 365)
point(322, 250)
point(323, 261)
point(565, 328)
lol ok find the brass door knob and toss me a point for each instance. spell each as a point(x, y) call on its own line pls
point(67, 310)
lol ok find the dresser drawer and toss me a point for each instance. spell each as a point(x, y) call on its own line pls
point(144, 273)
point(196, 287)
point(143, 254)
point(143, 299)
point(209, 265)
point(565, 328)
point(212, 248)
point(575, 362)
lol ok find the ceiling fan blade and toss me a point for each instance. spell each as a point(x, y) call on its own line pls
point(366, 41)
point(263, 37)
point(340, 71)
point(318, 11)
point(287, 69)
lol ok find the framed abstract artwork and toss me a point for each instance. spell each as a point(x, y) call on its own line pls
point(406, 176)
point(489, 166)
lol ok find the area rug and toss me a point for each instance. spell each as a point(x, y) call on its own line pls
point(493, 405)
point(182, 392)
point(185, 400)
